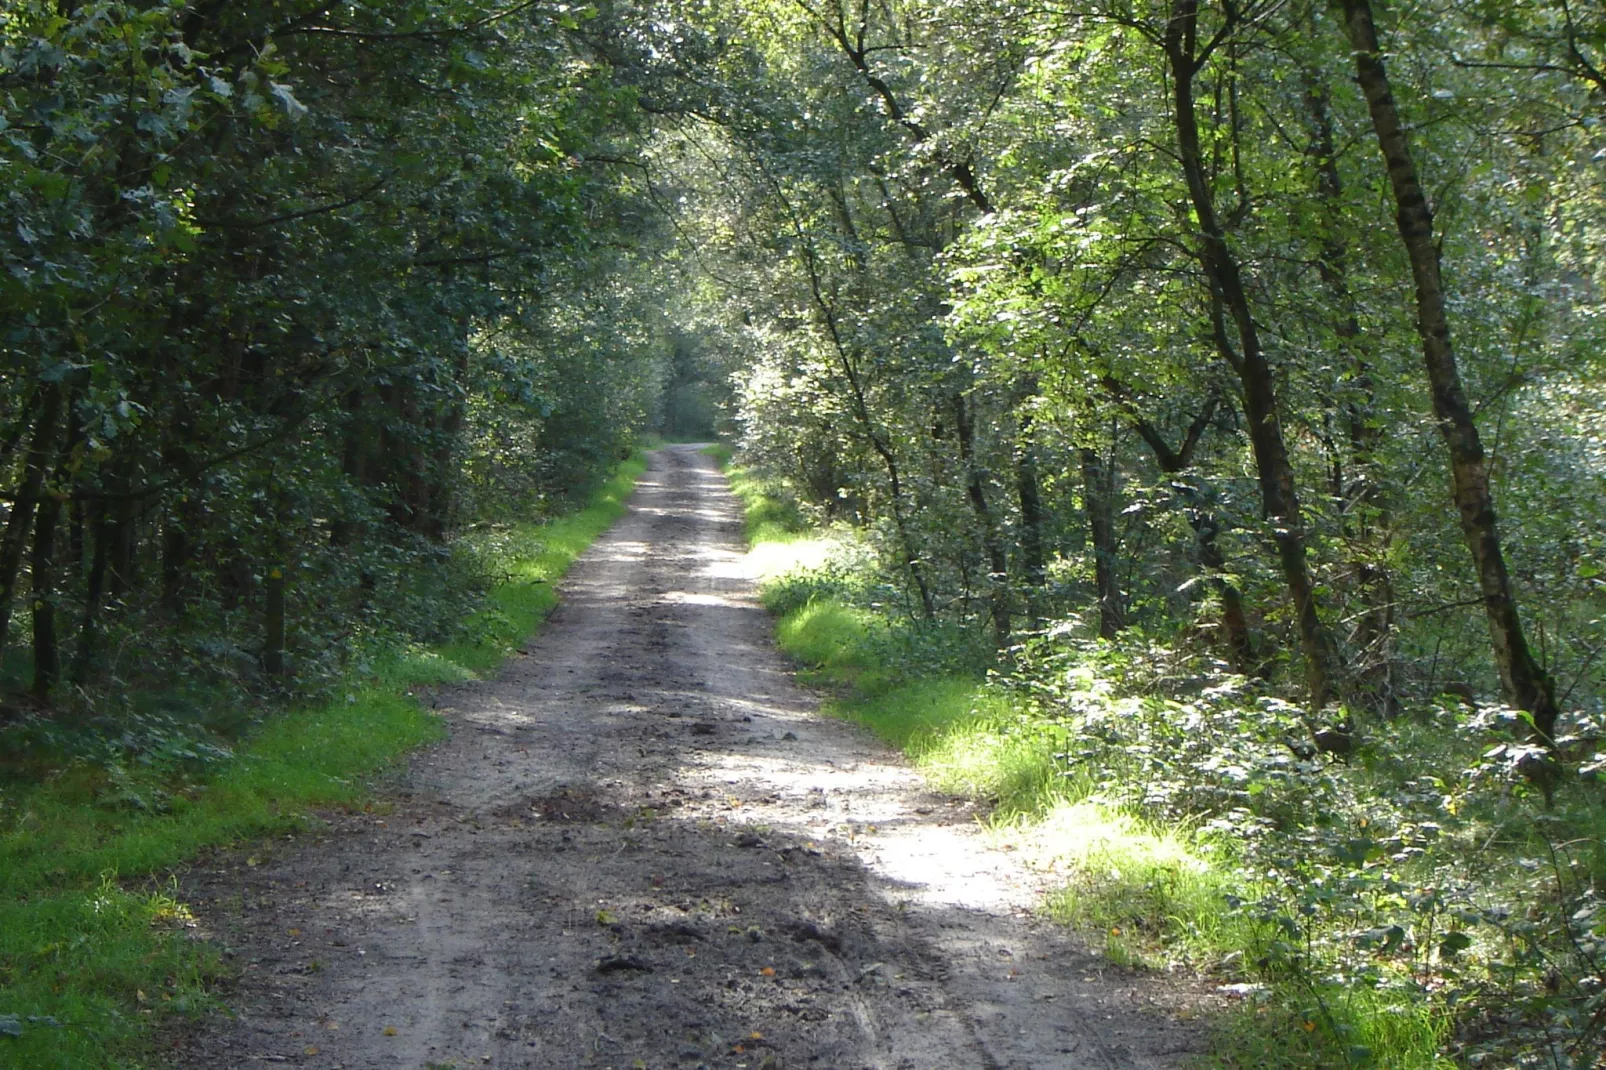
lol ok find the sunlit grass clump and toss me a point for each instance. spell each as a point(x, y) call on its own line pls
point(1139, 886)
point(831, 637)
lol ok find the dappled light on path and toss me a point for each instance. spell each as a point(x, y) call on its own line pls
point(643, 845)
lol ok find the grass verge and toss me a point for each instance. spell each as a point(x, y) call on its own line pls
point(1151, 891)
point(95, 943)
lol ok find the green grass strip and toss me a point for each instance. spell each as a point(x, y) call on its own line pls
point(1148, 892)
point(94, 946)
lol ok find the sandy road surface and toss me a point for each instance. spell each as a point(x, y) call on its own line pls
point(642, 847)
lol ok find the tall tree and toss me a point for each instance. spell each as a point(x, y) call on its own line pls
point(1187, 56)
point(1524, 681)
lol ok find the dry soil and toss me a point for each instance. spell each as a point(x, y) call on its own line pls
point(642, 846)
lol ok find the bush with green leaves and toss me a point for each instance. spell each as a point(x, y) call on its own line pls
point(1421, 865)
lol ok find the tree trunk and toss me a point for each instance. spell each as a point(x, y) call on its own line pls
point(444, 461)
point(101, 533)
point(1029, 497)
point(1279, 498)
point(175, 563)
point(1098, 496)
point(911, 559)
point(1033, 563)
point(1360, 499)
point(47, 521)
point(26, 501)
point(1234, 619)
point(1174, 462)
point(1524, 682)
point(46, 651)
point(992, 544)
point(123, 551)
point(273, 620)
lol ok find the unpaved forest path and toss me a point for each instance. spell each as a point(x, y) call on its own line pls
point(643, 847)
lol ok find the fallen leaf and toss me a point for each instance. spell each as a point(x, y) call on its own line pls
point(768, 971)
point(390, 1030)
point(310, 1049)
point(755, 1035)
point(293, 932)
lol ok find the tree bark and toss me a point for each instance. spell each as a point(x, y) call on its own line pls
point(353, 463)
point(1098, 497)
point(1523, 680)
point(101, 534)
point(175, 563)
point(26, 501)
point(1034, 565)
point(123, 552)
point(992, 543)
point(44, 563)
point(1174, 462)
point(1229, 298)
point(274, 623)
point(444, 459)
point(1234, 618)
point(1360, 499)
point(46, 650)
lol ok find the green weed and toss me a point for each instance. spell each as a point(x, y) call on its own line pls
point(1295, 1027)
point(832, 638)
point(771, 514)
point(1148, 888)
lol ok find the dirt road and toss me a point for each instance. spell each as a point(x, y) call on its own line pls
point(643, 847)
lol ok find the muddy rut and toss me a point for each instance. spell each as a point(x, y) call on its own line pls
point(642, 846)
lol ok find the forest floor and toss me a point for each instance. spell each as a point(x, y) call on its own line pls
point(643, 846)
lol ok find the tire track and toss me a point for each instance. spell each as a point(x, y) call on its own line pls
point(641, 846)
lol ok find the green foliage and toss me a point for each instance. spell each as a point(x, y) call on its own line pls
point(272, 338)
point(1337, 1026)
point(971, 742)
point(303, 319)
point(531, 559)
point(771, 514)
point(1419, 871)
point(830, 636)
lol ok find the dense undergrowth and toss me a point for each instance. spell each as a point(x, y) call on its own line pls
point(1416, 904)
point(96, 944)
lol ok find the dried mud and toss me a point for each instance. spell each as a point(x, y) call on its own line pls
point(642, 846)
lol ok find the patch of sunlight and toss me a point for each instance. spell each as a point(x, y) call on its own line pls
point(427, 666)
point(872, 807)
point(1091, 838)
point(777, 556)
point(1145, 889)
point(973, 745)
point(698, 598)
